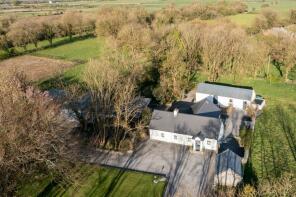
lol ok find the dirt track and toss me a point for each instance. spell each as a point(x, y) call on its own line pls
point(36, 68)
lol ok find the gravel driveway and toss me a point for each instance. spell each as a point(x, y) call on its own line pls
point(189, 174)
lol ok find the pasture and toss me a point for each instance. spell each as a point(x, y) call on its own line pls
point(96, 181)
point(80, 50)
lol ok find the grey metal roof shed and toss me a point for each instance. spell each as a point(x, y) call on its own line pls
point(229, 160)
point(226, 91)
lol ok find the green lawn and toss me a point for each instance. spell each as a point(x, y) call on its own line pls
point(97, 181)
point(81, 50)
point(244, 20)
point(274, 142)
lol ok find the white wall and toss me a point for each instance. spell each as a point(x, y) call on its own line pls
point(224, 101)
point(210, 144)
point(170, 137)
point(237, 103)
point(201, 96)
point(228, 178)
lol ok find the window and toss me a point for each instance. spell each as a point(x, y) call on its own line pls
point(230, 101)
point(175, 137)
point(215, 100)
point(209, 142)
point(245, 104)
point(189, 139)
point(162, 134)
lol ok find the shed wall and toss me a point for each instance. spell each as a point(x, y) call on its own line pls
point(228, 178)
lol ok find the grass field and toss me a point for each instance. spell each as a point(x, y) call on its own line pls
point(244, 20)
point(97, 181)
point(80, 50)
point(274, 142)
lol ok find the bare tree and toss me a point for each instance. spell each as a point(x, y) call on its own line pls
point(114, 96)
point(223, 50)
point(49, 28)
point(32, 130)
point(293, 16)
point(173, 80)
point(71, 22)
point(18, 34)
point(5, 44)
point(110, 21)
point(271, 17)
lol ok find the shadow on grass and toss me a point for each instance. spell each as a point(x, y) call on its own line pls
point(250, 176)
point(286, 123)
point(274, 150)
point(59, 82)
point(58, 43)
point(50, 189)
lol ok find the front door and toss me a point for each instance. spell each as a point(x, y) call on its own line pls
point(197, 145)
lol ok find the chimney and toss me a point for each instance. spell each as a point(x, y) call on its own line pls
point(176, 111)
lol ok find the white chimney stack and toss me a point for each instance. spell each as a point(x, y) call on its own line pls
point(176, 111)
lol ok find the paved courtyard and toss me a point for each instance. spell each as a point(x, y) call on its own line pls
point(189, 174)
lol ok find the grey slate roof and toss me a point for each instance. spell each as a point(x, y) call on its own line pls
point(202, 108)
point(206, 108)
point(194, 125)
point(230, 143)
point(226, 91)
point(228, 160)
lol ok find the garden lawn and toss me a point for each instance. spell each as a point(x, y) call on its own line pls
point(79, 50)
point(98, 181)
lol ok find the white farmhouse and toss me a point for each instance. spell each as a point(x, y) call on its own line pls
point(195, 124)
point(224, 95)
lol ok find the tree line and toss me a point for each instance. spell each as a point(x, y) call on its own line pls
point(166, 56)
point(31, 30)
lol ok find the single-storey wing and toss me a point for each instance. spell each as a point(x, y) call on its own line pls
point(191, 129)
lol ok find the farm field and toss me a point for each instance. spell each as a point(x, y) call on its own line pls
point(80, 50)
point(35, 68)
point(40, 9)
point(97, 181)
point(244, 20)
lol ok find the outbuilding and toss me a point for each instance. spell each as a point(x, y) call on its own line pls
point(229, 170)
point(226, 95)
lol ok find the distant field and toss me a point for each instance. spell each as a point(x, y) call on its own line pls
point(97, 182)
point(282, 6)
